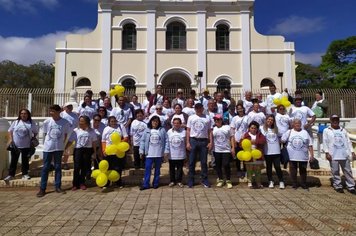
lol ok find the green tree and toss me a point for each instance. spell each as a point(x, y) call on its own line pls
point(339, 63)
point(308, 76)
point(39, 75)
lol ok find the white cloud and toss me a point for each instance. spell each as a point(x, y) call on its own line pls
point(298, 25)
point(27, 5)
point(309, 58)
point(28, 51)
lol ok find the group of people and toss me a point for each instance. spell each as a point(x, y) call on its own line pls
point(185, 130)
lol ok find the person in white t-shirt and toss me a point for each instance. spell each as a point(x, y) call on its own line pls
point(56, 130)
point(85, 147)
point(167, 110)
point(20, 133)
point(338, 150)
point(199, 140)
point(152, 145)
point(270, 106)
point(256, 115)
point(122, 113)
point(115, 163)
point(138, 126)
point(239, 126)
point(87, 108)
point(134, 103)
point(146, 103)
point(176, 152)
point(272, 151)
point(302, 113)
point(247, 102)
point(282, 120)
point(224, 147)
point(299, 143)
point(98, 128)
point(189, 109)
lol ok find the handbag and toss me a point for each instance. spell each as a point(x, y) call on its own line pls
point(34, 142)
point(314, 164)
point(13, 148)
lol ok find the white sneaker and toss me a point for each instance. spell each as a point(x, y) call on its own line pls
point(220, 183)
point(171, 184)
point(26, 177)
point(249, 185)
point(271, 184)
point(281, 185)
point(228, 184)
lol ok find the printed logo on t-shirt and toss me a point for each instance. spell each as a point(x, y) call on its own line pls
point(298, 115)
point(176, 141)
point(155, 139)
point(271, 137)
point(22, 132)
point(297, 143)
point(55, 132)
point(338, 141)
point(83, 140)
point(198, 125)
point(220, 138)
point(284, 121)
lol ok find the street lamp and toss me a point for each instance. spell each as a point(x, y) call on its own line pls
point(200, 75)
point(280, 75)
point(156, 76)
point(74, 74)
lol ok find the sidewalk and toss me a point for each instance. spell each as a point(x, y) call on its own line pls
point(178, 211)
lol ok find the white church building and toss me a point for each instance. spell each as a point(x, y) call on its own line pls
point(177, 43)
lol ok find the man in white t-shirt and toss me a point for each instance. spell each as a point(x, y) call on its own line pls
point(56, 130)
point(199, 140)
point(270, 106)
point(122, 113)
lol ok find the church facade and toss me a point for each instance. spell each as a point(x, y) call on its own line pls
point(177, 43)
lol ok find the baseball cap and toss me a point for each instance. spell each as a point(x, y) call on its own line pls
point(218, 117)
point(334, 117)
point(180, 90)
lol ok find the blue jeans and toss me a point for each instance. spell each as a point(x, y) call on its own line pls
point(148, 167)
point(198, 145)
point(47, 159)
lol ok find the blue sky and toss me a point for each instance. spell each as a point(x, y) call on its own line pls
point(29, 29)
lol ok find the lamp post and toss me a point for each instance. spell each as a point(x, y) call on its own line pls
point(74, 74)
point(200, 75)
point(280, 75)
point(156, 76)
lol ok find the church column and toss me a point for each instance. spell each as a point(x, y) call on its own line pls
point(151, 49)
point(60, 68)
point(106, 47)
point(201, 14)
point(245, 47)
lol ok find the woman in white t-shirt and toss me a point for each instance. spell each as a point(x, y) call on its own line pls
point(152, 145)
point(272, 151)
point(298, 144)
point(282, 120)
point(85, 146)
point(224, 147)
point(256, 115)
point(176, 152)
point(20, 133)
point(138, 126)
point(114, 162)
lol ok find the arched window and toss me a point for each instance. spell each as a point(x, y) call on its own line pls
point(223, 84)
point(129, 37)
point(266, 83)
point(130, 86)
point(176, 36)
point(222, 37)
point(83, 82)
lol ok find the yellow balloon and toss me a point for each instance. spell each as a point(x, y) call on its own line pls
point(123, 146)
point(113, 175)
point(119, 89)
point(120, 154)
point(111, 149)
point(246, 156)
point(239, 155)
point(95, 173)
point(101, 180)
point(246, 144)
point(277, 101)
point(256, 154)
point(115, 138)
point(283, 99)
point(286, 103)
point(103, 166)
point(112, 93)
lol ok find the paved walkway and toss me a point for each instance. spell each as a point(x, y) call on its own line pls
point(178, 211)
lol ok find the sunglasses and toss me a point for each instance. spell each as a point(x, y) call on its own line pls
point(97, 120)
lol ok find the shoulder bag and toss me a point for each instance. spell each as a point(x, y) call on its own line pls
point(284, 152)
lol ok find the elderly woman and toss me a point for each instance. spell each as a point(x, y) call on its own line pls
point(298, 144)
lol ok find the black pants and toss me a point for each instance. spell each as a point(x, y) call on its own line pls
point(222, 160)
point(82, 161)
point(138, 163)
point(15, 159)
point(293, 167)
point(173, 166)
point(274, 160)
point(117, 164)
point(238, 162)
